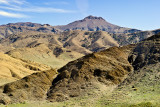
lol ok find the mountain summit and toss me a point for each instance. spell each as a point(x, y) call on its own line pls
point(93, 23)
point(93, 17)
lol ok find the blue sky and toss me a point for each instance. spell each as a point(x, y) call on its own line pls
point(140, 14)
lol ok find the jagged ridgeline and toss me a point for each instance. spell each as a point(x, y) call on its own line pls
point(130, 71)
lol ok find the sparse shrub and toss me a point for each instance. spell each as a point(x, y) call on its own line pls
point(143, 104)
point(135, 89)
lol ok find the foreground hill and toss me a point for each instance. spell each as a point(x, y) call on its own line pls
point(116, 76)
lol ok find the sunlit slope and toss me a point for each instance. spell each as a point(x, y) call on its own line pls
point(12, 69)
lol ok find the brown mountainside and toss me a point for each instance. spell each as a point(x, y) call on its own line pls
point(53, 49)
point(112, 67)
point(57, 49)
point(80, 41)
point(121, 35)
point(93, 23)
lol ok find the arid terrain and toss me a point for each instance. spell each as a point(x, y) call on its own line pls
point(89, 62)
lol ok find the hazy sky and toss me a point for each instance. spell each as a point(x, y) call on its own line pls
point(140, 14)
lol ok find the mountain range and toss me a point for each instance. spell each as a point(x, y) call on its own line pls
point(84, 63)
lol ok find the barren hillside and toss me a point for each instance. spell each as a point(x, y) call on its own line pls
point(127, 71)
point(12, 69)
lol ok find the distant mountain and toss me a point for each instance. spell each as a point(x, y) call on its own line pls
point(26, 24)
point(93, 23)
point(15, 28)
point(121, 35)
point(130, 38)
point(49, 47)
point(52, 46)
